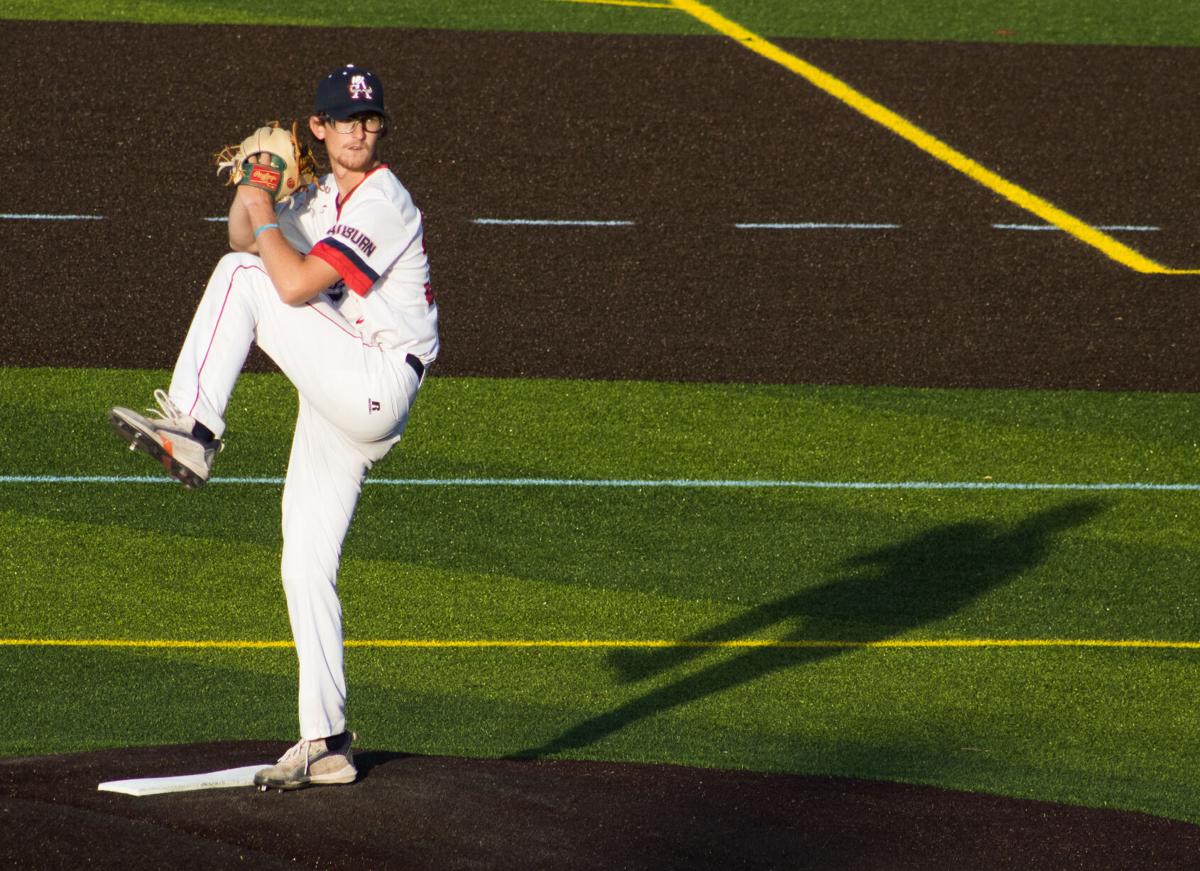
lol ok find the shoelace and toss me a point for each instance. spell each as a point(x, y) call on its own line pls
point(299, 747)
point(167, 410)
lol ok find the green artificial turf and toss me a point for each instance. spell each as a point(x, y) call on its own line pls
point(456, 561)
point(1153, 22)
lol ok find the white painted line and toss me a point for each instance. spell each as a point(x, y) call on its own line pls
point(588, 222)
point(550, 222)
point(649, 483)
point(36, 217)
point(814, 225)
point(1129, 228)
point(1047, 228)
point(230, 777)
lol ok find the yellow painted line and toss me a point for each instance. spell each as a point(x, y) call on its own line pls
point(766, 643)
point(928, 143)
point(644, 4)
point(584, 643)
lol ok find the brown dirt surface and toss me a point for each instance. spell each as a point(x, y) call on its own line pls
point(685, 138)
point(419, 812)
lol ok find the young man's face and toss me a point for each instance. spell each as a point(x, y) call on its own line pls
point(351, 143)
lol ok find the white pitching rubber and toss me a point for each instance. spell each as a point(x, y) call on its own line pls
point(230, 777)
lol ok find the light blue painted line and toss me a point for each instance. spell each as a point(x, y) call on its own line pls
point(678, 483)
point(549, 222)
point(35, 217)
point(82, 479)
point(1032, 228)
point(223, 219)
point(1050, 228)
point(815, 225)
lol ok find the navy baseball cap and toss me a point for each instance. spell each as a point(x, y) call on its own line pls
point(349, 91)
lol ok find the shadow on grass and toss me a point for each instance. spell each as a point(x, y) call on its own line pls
point(891, 591)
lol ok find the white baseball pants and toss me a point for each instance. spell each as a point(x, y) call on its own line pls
point(354, 403)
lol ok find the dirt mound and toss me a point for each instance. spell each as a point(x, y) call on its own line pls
point(417, 812)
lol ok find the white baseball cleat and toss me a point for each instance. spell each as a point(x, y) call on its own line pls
point(324, 761)
point(169, 438)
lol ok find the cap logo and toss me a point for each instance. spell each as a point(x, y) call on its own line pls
point(359, 89)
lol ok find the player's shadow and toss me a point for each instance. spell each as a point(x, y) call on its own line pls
point(368, 761)
point(886, 593)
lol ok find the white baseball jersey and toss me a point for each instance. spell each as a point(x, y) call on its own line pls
point(374, 238)
point(350, 354)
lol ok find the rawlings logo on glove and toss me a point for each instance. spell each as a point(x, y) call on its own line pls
point(288, 166)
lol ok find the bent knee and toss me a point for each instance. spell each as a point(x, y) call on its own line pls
point(234, 259)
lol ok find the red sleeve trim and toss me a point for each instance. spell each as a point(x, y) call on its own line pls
point(356, 278)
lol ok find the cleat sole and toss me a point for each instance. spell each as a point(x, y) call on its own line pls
point(140, 441)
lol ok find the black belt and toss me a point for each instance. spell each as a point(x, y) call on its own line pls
point(415, 361)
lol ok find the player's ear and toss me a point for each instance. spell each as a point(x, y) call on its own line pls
point(317, 128)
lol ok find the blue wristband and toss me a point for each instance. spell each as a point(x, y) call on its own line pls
point(263, 229)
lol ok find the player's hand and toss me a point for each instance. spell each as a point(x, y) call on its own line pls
point(253, 198)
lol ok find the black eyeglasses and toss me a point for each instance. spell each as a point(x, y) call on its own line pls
point(369, 123)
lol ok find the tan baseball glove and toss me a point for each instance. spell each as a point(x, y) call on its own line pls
point(283, 168)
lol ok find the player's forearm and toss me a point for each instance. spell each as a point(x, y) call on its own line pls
point(281, 260)
point(241, 229)
point(285, 266)
point(297, 278)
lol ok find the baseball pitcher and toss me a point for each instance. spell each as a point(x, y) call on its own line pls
point(330, 277)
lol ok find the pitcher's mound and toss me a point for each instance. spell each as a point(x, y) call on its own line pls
point(415, 812)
